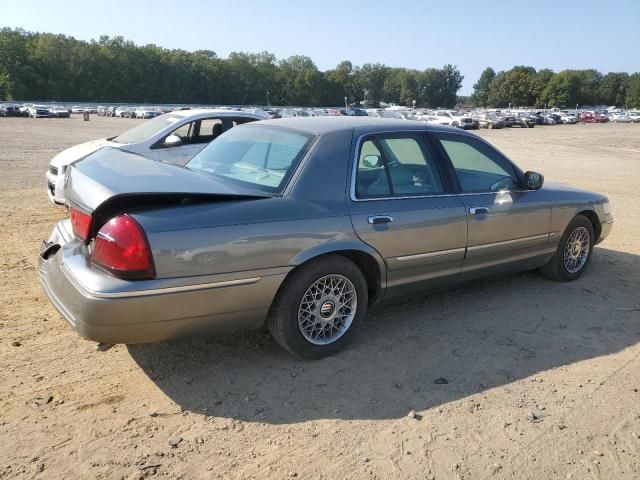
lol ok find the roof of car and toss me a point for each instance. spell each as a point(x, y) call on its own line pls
point(207, 111)
point(324, 125)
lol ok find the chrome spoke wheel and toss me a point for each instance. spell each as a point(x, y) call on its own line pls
point(576, 250)
point(327, 309)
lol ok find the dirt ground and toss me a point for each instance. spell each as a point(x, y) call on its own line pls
point(543, 379)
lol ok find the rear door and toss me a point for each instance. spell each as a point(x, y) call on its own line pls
point(508, 225)
point(402, 205)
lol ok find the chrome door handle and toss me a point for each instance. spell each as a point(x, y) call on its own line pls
point(379, 219)
point(478, 210)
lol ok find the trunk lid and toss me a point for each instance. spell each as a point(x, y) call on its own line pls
point(77, 152)
point(112, 181)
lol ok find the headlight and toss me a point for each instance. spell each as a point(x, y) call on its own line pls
point(606, 208)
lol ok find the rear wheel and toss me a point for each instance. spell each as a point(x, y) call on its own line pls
point(573, 253)
point(319, 308)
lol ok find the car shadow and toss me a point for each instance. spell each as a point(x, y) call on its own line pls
point(413, 353)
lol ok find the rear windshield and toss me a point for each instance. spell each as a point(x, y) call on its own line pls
point(146, 130)
point(259, 157)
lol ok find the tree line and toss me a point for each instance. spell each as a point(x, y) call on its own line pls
point(44, 66)
point(526, 86)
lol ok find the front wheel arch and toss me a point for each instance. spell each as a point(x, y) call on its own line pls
point(595, 222)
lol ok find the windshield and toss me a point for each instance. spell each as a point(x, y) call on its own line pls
point(258, 157)
point(146, 130)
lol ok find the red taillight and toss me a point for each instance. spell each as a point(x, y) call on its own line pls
point(121, 248)
point(81, 223)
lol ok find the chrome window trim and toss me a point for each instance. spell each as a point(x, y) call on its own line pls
point(430, 254)
point(156, 291)
point(354, 170)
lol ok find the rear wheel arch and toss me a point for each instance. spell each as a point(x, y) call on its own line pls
point(283, 319)
point(372, 268)
point(369, 268)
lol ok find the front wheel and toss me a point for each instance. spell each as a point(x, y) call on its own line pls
point(319, 308)
point(573, 253)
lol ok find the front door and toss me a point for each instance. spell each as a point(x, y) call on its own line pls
point(401, 205)
point(508, 225)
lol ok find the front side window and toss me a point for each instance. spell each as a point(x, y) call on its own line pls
point(397, 166)
point(258, 157)
point(184, 132)
point(479, 168)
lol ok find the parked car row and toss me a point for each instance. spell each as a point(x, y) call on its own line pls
point(34, 111)
point(298, 224)
point(625, 117)
point(124, 111)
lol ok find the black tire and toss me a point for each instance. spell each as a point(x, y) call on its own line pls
point(555, 269)
point(282, 321)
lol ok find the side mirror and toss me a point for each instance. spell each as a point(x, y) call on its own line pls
point(533, 180)
point(172, 141)
point(371, 161)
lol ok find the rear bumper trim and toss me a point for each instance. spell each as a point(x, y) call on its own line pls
point(156, 291)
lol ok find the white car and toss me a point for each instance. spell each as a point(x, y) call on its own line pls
point(454, 119)
point(424, 117)
point(634, 116)
point(567, 118)
point(38, 111)
point(398, 114)
point(123, 112)
point(146, 112)
point(173, 137)
point(621, 118)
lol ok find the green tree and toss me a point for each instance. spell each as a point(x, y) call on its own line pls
point(563, 90)
point(539, 82)
point(482, 87)
point(516, 86)
point(300, 81)
point(633, 91)
point(371, 78)
point(613, 89)
point(452, 81)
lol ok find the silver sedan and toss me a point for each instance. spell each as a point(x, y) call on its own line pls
point(302, 224)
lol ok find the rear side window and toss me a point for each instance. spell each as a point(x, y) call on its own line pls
point(210, 129)
point(258, 157)
point(396, 166)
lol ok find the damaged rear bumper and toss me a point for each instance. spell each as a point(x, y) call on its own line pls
point(109, 310)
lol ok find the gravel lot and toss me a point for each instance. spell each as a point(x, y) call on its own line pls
point(542, 379)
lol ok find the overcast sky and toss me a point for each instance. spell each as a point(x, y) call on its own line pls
point(556, 34)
